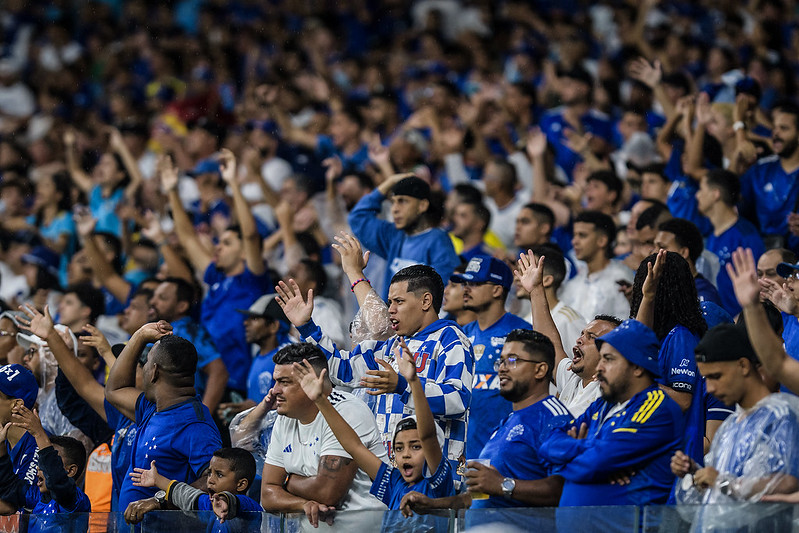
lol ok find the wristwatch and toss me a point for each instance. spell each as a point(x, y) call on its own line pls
point(160, 497)
point(508, 485)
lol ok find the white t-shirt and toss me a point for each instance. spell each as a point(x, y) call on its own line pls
point(571, 391)
point(598, 293)
point(569, 323)
point(503, 220)
point(297, 447)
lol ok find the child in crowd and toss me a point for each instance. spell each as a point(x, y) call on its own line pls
point(231, 472)
point(56, 493)
point(415, 443)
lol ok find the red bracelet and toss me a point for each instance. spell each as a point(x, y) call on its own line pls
point(357, 281)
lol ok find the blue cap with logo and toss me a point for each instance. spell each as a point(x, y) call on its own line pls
point(485, 269)
point(636, 343)
point(16, 381)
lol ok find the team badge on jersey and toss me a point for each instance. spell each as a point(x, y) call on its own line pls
point(479, 350)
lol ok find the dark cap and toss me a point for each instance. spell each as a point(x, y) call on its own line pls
point(266, 307)
point(725, 342)
point(413, 187)
point(43, 257)
point(748, 86)
point(636, 343)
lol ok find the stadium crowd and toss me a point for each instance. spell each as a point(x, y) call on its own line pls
point(310, 257)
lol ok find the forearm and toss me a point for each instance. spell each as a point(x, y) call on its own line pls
point(176, 266)
point(243, 213)
point(79, 177)
point(540, 492)
point(275, 499)
point(215, 386)
point(348, 439)
point(123, 373)
point(78, 375)
point(646, 312)
point(184, 229)
point(425, 423)
point(769, 346)
point(543, 322)
point(181, 495)
point(693, 162)
point(60, 485)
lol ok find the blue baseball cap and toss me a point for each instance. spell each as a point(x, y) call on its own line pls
point(206, 166)
point(786, 270)
point(16, 381)
point(636, 343)
point(43, 257)
point(485, 269)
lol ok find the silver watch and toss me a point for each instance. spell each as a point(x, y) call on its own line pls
point(160, 497)
point(508, 485)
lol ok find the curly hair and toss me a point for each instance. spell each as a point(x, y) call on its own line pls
point(676, 301)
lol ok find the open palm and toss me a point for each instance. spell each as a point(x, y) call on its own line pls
point(310, 383)
point(529, 273)
point(296, 309)
point(40, 325)
point(743, 275)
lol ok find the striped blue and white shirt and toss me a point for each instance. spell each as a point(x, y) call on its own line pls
point(444, 363)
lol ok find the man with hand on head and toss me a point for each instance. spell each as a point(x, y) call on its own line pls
point(306, 468)
point(173, 426)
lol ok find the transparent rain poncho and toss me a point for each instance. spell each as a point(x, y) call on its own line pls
point(756, 452)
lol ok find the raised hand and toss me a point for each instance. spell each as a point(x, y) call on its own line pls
point(529, 273)
point(84, 223)
point(28, 420)
point(703, 113)
point(379, 154)
point(4, 432)
point(167, 173)
point(227, 163)
point(144, 478)
point(152, 227)
point(353, 259)
point(536, 143)
point(653, 274)
point(69, 138)
point(380, 381)
point(648, 74)
point(40, 325)
point(153, 331)
point(743, 275)
point(115, 139)
point(296, 309)
point(333, 168)
point(406, 362)
point(312, 384)
point(96, 339)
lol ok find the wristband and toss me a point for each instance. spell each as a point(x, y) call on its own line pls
point(357, 281)
point(286, 482)
point(739, 125)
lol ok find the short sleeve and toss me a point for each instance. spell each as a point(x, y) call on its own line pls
point(386, 479)
point(201, 441)
point(677, 361)
point(144, 408)
point(274, 453)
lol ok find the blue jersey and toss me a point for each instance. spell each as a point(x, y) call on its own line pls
point(742, 234)
point(444, 362)
point(24, 458)
point(180, 439)
point(432, 247)
point(50, 511)
point(62, 224)
point(706, 291)
point(514, 448)
point(351, 163)
point(790, 339)
point(121, 449)
point(554, 125)
point(219, 317)
point(678, 371)
point(642, 436)
point(389, 486)
point(206, 349)
point(681, 199)
point(769, 195)
point(105, 210)
point(260, 379)
point(248, 515)
point(488, 407)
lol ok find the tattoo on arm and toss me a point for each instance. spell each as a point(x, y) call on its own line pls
point(333, 463)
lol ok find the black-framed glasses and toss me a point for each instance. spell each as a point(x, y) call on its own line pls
point(510, 362)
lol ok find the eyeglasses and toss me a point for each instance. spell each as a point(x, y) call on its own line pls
point(510, 362)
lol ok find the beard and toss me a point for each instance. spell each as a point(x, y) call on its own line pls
point(517, 392)
point(789, 149)
point(613, 392)
point(476, 308)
